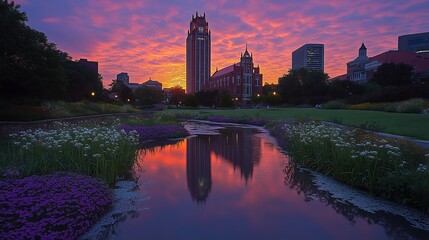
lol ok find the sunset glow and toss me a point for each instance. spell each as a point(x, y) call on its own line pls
point(146, 39)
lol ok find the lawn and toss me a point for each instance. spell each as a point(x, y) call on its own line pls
point(406, 124)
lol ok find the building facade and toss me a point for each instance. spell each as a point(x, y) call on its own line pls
point(240, 80)
point(123, 77)
point(418, 42)
point(419, 62)
point(356, 68)
point(93, 66)
point(198, 53)
point(153, 84)
point(309, 56)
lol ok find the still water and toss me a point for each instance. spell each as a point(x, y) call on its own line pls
point(237, 184)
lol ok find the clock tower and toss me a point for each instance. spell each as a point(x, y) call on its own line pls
point(198, 53)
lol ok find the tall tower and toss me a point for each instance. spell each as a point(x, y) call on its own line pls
point(362, 51)
point(246, 62)
point(198, 53)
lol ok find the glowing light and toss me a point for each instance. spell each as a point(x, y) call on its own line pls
point(93, 94)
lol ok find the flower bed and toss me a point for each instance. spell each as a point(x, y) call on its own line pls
point(387, 167)
point(102, 152)
point(56, 206)
point(146, 133)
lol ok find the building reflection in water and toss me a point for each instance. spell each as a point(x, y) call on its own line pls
point(235, 145)
point(198, 167)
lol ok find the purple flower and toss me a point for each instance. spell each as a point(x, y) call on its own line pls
point(56, 206)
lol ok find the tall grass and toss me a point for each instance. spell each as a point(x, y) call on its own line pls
point(102, 152)
point(384, 166)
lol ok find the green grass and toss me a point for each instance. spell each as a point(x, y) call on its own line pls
point(49, 110)
point(405, 124)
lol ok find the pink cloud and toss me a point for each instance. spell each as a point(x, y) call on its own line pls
point(51, 20)
point(147, 38)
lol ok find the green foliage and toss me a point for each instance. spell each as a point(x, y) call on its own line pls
point(148, 96)
point(393, 74)
point(414, 105)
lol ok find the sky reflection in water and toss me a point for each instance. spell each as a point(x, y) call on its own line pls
point(235, 186)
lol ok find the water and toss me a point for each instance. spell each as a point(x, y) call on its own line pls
point(237, 184)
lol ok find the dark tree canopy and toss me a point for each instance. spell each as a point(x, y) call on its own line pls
point(393, 74)
point(148, 96)
point(344, 89)
point(82, 81)
point(30, 66)
point(302, 84)
point(125, 94)
point(207, 98)
point(178, 95)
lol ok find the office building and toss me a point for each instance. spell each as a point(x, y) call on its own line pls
point(418, 42)
point(310, 56)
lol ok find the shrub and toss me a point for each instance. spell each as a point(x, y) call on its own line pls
point(414, 105)
point(334, 104)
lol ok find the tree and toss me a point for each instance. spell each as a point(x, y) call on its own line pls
point(30, 66)
point(125, 94)
point(82, 81)
point(148, 95)
point(303, 85)
point(178, 95)
point(393, 74)
point(226, 100)
point(207, 98)
point(191, 100)
point(344, 89)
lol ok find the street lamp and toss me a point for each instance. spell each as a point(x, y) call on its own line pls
point(274, 93)
point(258, 95)
point(93, 94)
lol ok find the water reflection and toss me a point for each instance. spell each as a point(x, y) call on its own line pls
point(234, 185)
point(236, 146)
point(198, 170)
point(395, 226)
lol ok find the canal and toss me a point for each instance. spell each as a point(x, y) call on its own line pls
point(234, 182)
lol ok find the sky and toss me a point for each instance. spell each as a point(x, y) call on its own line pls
point(147, 38)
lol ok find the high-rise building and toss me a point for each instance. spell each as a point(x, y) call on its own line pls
point(418, 42)
point(309, 56)
point(123, 77)
point(198, 53)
